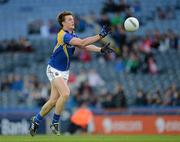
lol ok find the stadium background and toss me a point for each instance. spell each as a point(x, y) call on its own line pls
point(135, 91)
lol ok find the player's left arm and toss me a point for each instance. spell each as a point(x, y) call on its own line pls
point(104, 50)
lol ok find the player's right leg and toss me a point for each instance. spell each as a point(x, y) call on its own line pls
point(44, 110)
point(64, 91)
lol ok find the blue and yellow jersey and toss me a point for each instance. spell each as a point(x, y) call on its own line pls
point(63, 51)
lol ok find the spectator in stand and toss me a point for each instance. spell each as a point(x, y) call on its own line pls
point(85, 56)
point(133, 63)
point(152, 66)
point(156, 37)
point(80, 24)
point(156, 98)
point(146, 44)
point(125, 52)
point(119, 65)
point(109, 6)
point(120, 37)
point(84, 93)
point(119, 98)
point(17, 83)
point(4, 46)
point(175, 95)
point(34, 27)
point(25, 45)
point(174, 39)
point(94, 79)
point(6, 82)
point(167, 99)
point(122, 6)
point(82, 77)
point(117, 19)
point(107, 100)
point(160, 13)
point(136, 5)
point(104, 20)
point(13, 46)
point(141, 99)
point(164, 43)
point(20, 45)
point(41, 94)
point(45, 30)
point(176, 99)
point(53, 26)
point(149, 65)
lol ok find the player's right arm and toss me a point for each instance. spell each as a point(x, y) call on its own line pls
point(90, 40)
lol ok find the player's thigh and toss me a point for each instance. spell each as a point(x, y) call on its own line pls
point(61, 86)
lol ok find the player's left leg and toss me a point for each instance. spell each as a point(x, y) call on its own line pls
point(44, 111)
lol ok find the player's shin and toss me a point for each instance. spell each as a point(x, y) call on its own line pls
point(47, 107)
point(58, 109)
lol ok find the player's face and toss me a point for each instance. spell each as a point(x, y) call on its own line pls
point(69, 22)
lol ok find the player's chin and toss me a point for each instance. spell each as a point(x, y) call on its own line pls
point(73, 27)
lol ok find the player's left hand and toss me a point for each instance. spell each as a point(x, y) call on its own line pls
point(106, 49)
point(105, 31)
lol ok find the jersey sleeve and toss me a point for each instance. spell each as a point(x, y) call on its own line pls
point(67, 38)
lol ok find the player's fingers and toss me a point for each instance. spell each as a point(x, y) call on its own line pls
point(107, 44)
point(108, 28)
point(110, 50)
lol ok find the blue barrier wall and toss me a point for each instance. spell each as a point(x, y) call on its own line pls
point(16, 122)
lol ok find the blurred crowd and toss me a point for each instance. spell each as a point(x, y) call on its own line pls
point(29, 91)
point(169, 97)
point(20, 45)
point(26, 90)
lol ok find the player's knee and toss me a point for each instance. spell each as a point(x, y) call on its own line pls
point(66, 94)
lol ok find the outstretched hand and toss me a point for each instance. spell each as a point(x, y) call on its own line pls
point(106, 49)
point(105, 31)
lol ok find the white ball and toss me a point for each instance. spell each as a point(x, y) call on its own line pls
point(131, 24)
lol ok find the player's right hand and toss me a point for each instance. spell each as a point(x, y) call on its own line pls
point(105, 31)
point(106, 49)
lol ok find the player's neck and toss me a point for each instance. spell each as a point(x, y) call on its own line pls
point(68, 30)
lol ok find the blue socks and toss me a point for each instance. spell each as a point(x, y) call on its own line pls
point(55, 118)
point(38, 118)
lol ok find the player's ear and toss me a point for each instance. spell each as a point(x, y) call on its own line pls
point(63, 23)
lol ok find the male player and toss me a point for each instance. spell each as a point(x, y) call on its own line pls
point(58, 68)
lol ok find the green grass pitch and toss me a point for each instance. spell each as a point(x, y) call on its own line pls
point(91, 138)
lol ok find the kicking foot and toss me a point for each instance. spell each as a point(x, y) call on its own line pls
point(33, 127)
